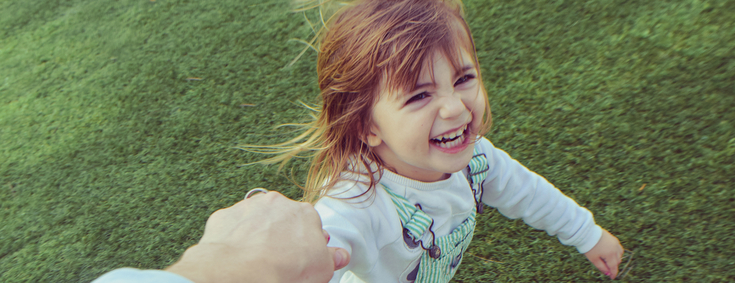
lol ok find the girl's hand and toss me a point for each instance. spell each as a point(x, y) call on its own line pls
point(607, 254)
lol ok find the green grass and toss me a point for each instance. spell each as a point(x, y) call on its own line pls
point(110, 156)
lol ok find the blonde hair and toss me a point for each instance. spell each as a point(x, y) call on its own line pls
point(361, 44)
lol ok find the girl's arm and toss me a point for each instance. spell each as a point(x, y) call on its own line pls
point(358, 225)
point(520, 193)
point(347, 230)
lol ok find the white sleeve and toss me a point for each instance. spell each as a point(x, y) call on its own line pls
point(518, 192)
point(344, 233)
point(358, 226)
point(132, 275)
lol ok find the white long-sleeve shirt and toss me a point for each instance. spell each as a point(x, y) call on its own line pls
point(368, 226)
point(132, 275)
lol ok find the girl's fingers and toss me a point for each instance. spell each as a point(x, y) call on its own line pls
point(326, 235)
point(613, 272)
point(601, 265)
point(612, 265)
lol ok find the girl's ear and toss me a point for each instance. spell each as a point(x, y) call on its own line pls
point(373, 138)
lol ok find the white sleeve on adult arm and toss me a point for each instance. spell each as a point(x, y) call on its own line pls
point(132, 275)
point(518, 192)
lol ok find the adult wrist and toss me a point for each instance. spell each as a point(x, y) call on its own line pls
point(205, 263)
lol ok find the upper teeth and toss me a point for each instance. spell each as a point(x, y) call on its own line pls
point(450, 136)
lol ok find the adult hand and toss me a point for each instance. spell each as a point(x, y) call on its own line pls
point(606, 254)
point(265, 238)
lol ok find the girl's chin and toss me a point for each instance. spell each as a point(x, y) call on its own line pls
point(459, 158)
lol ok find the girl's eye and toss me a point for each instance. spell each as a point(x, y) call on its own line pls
point(464, 79)
point(417, 97)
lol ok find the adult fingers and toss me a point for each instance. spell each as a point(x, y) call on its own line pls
point(340, 256)
point(267, 207)
point(254, 192)
point(219, 223)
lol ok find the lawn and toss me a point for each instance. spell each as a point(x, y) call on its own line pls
point(118, 122)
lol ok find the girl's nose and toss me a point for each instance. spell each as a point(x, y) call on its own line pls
point(451, 106)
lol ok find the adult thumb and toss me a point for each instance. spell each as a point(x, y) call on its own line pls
point(340, 256)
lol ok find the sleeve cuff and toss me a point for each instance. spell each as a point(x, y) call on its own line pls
point(129, 275)
point(591, 241)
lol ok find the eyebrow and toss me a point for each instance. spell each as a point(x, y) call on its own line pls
point(459, 72)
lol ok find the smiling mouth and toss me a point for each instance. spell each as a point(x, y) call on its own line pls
point(452, 139)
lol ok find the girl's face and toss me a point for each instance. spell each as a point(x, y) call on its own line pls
point(428, 133)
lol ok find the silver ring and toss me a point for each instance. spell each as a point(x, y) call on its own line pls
point(253, 191)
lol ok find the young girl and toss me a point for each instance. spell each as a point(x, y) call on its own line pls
point(400, 165)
